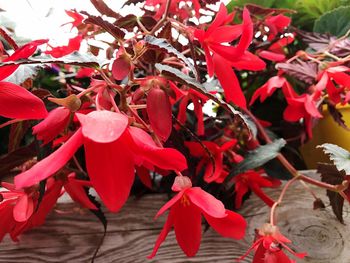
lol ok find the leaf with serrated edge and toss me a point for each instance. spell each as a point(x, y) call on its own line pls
point(75, 58)
point(330, 175)
point(163, 44)
point(339, 156)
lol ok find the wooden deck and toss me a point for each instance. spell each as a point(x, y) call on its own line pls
point(71, 234)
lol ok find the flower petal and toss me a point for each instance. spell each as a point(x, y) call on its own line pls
point(111, 170)
point(51, 164)
point(17, 102)
point(23, 209)
point(229, 81)
point(159, 112)
point(169, 204)
point(163, 234)
point(232, 226)
point(188, 227)
point(164, 158)
point(103, 126)
point(206, 202)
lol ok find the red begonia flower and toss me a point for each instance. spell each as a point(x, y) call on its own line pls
point(112, 149)
point(52, 125)
point(198, 100)
point(85, 73)
point(302, 107)
point(174, 8)
point(269, 88)
point(159, 112)
point(185, 215)
point(224, 57)
point(211, 173)
point(21, 53)
point(18, 103)
point(277, 24)
point(60, 51)
point(17, 213)
point(268, 247)
point(254, 181)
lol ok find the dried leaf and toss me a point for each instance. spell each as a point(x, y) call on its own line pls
point(337, 116)
point(331, 175)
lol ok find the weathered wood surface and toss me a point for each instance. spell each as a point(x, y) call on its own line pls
point(71, 234)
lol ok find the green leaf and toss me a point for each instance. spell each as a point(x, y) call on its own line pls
point(179, 76)
point(75, 58)
point(240, 3)
point(335, 22)
point(259, 157)
point(162, 44)
point(331, 175)
point(339, 156)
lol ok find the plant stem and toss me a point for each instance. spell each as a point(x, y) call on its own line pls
point(288, 165)
point(279, 201)
point(10, 122)
point(163, 19)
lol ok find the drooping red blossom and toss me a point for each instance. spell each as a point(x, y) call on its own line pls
point(253, 181)
point(60, 51)
point(85, 73)
point(119, 149)
point(18, 103)
point(328, 77)
point(21, 53)
point(270, 87)
point(302, 107)
point(268, 247)
point(224, 57)
point(122, 65)
point(212, 172)
point(159, 112)
point(17, 213)
point(52, 125)
point(277, 24)
point(198, 100)
point(185, 215)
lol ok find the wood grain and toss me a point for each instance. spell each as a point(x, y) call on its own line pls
point(71, 234)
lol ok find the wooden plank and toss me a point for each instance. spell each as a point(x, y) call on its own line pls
point(71, 234)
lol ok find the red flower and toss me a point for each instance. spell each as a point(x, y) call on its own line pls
point(268, 247)
point(302, 107)
point(277, 24)
point(276, 51)
point(73, 45)
point(21, 53)
point(254, 181)
point(185, 213)
point(17, 213)
point(198, 100)
point(225, 57)
point(197, 150)
point(112, 149)
point(338, 75)
point(270, 87)
point(18, 103)
point(52, 125)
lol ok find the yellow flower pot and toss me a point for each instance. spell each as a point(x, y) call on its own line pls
point(326, 130)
